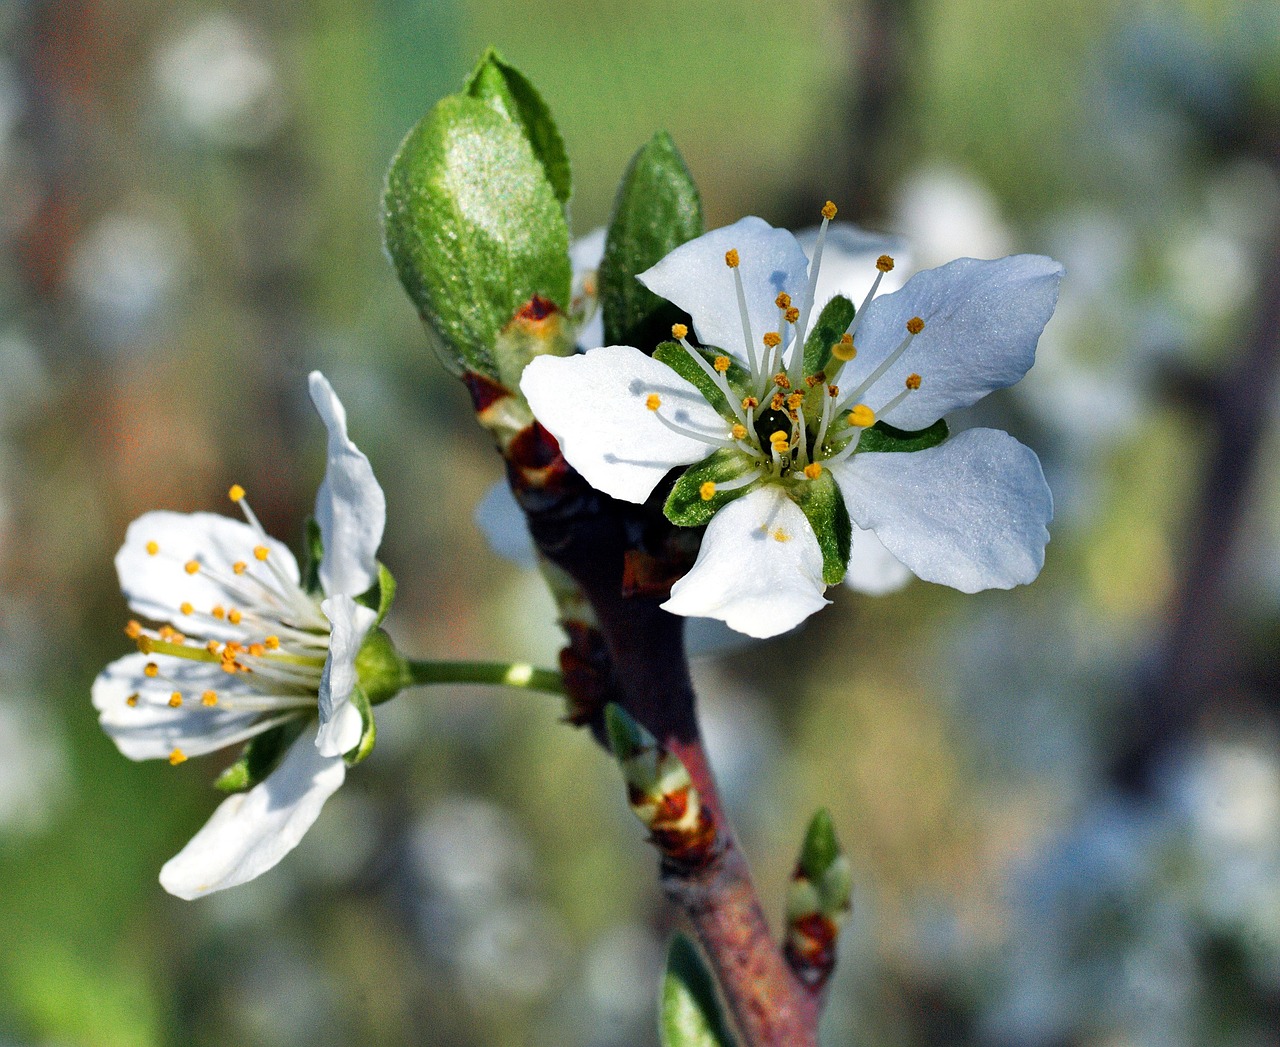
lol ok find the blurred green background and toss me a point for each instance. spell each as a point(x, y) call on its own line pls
point(1062, 802)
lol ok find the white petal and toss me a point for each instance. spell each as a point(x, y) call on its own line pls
point(971, 513)
point(585, 255)
point(594, 404)
point(340, 722)
point(759, 569)
point(872, 568)
point(982, 322)
point(250, 832)
point(157, 585)
point(503, 524)
point(152, 729)
point(350, 506)
point(849, 262)
point(695, 277)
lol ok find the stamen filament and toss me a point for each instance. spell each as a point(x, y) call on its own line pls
point(796, 370)
point(692, 434)
point(746, 320)
point(875, 375)
point(721, 382)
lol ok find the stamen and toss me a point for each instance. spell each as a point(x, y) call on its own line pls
point(261, 552)
point(737, 482)
point(715, 373)
point(862, 417)
point(738, 432)
point(781, 380)
point(192, 566)
point(679, 331)
point(772, 339)
point(175, 700)
point(829, 210)
point(653, 401)
point(731, 260)
point(721, 364)
point(750, 403)
point(912, 384)
point(914, 326)
point(707, 491)
point(792, 315)
point(152, 548)
point(132, 701)
point(186, 608)
point(813, 470)
point(884, 264)
point(133, 630)
point(209, 698)
point(802, 328)
point(776, 403)
point(176, 757)
point(151, 670)
point(236, 493)
point(239, 567)
point(783, 301)
point(711, 441)
point(844, 350)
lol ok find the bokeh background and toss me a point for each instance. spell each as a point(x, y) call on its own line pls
point(1062, 802)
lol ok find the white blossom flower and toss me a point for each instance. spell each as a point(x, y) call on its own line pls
point(248, 648)
point(816, 438)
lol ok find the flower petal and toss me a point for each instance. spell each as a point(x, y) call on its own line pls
point(694, 276)
point(250, 832)
point(340, 722)
point(350, 506)
point(872, 568)
point(585, 255)
point(849, 262)
point(156, 585)
point(759, 569)
point(594, 404)
point(151, 729)
point(970, 513)
point(982, 322)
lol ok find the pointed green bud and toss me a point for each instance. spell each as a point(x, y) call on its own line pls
point(818, 902)
point(820, 847)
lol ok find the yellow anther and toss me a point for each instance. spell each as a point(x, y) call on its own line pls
point(844, 350)
point(233, 616)
point(739, 431)
point(721, 364)
point(792, 315)
point(750, 403)
point(271, 643)
point(772, 339)
point(794, 401)
point(176, 757)
point(186, 608)
point(707, 490)
point(209, 698)
point(175, 699)
point(132, 701)
point(833, 391)
point(777, 401)
point(731, 258)
point(232, 648)
point(152, 548)
point(219, 612)
point(166, 632)
point(191, 566)
point(177, 637)
point(885, 263)
point(261, 552)
point(862, 416)
point(783, 301)
point(257, 650)
point(915, 325)
point(913, 381)
point(780, 436)
point(814, 379)
point(230, 665)
point(813, 470)
point(151, 669)
point(211, 646)
point(653, 401)
point(779, 535)
point(828, 210)
point(236, 492)
point(133, 630)
point(781, 380)
point(679, 331)
point(239, 567)
point(145, 645)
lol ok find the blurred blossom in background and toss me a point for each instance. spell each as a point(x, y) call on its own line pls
point(1062, 802)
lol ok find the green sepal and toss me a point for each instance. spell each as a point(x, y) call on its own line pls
point(832, 322)
point(380, 668)
point(820, 847)
point(474, 228)
point(656, 210)
point(511, 93)
point(312, 555)
point(675, 356)
point(685, 506)
point(821, 502)
point(884, 437)
point(380, 594)
point(259, 757)
point(369, 731)
point(691, 1015)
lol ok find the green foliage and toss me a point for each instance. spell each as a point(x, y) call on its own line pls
point(474, 227)
point(512, 94)
point(675, 356)
point(657, 209)
point(691, 1013)
point(685, 505)
point(821, 847)
point(380, 595)
point(821, 502)
point(884, 437)
point(259, 757)
point(832, 322)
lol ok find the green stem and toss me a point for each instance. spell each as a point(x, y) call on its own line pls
point(502, 674)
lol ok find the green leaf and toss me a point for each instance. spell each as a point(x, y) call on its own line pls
point(511, 93)
point(657, 209)
point(685, 505)
point(259, 757)
point(691, 1013)
point(675, 356)
point(474, 228)
point(312, 554)
point(369, 733)
point(821, 502)
point(821, 847)
point(884, 437)
point(833, 321)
